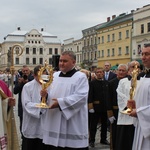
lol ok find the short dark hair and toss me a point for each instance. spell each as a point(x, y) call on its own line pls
point(36, 70)
point(147, 45)
point(70, 53)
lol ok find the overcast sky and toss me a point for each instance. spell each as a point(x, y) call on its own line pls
point(64, 18)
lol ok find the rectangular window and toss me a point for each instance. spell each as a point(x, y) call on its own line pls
point(34, 61)
point(88, 43)
point(113, 52)
point(139, 49)
point(113, 37)
point(77, 48)
point(91, 41)
point(148, 27)
point(119, 51)
point(56, 50)
point(91, 55)
point(84, 56)
point(27, 61)
point(50, 51)
point(120, 35)
point(102, 53)
point(108, 38)
point(98, 40)
point(17, 61)
point(95, 41)
point(95, 55)
point(41, 50)
point(142, 28)
point(127, 33)
point(108, 52)
point(34, 50)
point(127, 50)
point(27, 50)
point(41, 61)
point(99, 54)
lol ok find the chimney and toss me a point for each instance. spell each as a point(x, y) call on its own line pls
point(114, 16)
point(108, 19)
point(42, 29)
point(18, 28)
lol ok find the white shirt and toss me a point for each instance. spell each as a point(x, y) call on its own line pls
point(31, 126)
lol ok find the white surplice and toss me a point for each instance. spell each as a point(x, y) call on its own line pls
point(123, 91)
point(142, 122)
point(31, 127)
point(67, 126)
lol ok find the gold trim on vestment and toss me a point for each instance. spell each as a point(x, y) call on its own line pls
point(115, 107)
point(96, 102)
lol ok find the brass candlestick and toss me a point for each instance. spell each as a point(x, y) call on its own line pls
point(44, 83)
point(134, 75)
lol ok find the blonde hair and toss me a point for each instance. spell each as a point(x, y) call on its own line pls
point(87, 72)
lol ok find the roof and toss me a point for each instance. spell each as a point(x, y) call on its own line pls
point(119, 19)
point(19, 36)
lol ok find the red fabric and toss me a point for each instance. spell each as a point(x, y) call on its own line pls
point(5, 88)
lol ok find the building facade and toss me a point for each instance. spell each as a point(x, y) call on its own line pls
point(38, 46)
point(141, 31)
point(89, 50)
point(114, 40)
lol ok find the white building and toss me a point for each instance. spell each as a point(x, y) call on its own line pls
point(38, 46)
point(141, 30)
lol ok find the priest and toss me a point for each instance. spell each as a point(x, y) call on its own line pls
point(141, 106)
point(65, 125)
point(6, 133)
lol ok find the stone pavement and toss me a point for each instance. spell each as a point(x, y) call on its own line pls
point(98, 145)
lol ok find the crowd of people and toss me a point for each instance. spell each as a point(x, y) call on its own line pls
point(79, 101)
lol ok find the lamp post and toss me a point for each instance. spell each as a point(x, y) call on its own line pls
point(19, 50)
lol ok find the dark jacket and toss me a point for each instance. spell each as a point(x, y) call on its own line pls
point(97, 95)
point(18, 90)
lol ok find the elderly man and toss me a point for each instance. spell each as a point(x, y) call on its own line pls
point(112, 105)
point(125, 128)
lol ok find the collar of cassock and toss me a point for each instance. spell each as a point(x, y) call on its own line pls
point(147, 72)
point(130, 77)
point(68, 74)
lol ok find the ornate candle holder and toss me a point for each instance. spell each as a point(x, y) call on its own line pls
point(45, 80)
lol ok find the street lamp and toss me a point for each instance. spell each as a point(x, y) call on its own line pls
point(18, 51)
